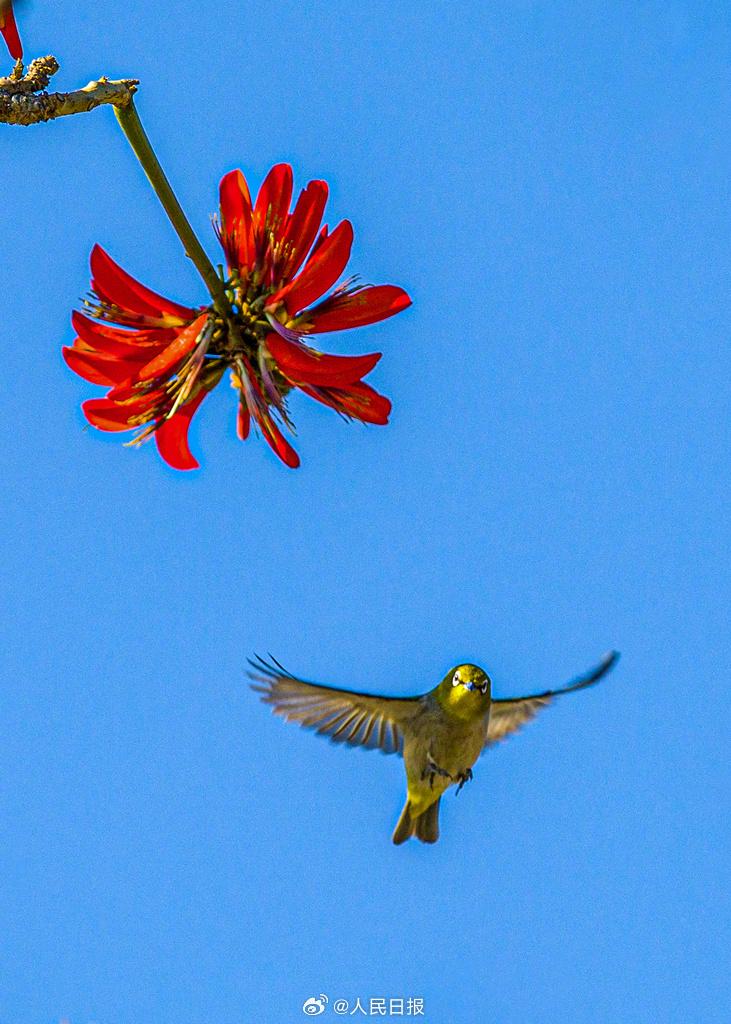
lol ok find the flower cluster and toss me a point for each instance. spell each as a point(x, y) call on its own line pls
point(10, 30)
point(161, 359)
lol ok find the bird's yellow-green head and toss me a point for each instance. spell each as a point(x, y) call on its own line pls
point(465, 693)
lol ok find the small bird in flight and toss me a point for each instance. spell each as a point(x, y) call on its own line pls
point(440, 734)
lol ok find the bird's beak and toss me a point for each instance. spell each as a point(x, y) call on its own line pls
point(471, 686)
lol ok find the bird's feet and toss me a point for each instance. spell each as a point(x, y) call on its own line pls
point(463, 777)
point(433, 769)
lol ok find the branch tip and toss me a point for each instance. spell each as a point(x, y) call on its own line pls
point(23, 99)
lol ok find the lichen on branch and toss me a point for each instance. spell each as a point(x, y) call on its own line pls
point(23, 99)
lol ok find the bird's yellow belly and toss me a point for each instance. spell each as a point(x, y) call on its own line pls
point(453, 747)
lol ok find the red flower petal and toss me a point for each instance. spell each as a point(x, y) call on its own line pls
point(365, 306)
point(243, 422)
point(107, 415)
point(114, 341)
point(258, 408)
point(303, 226)
point(118, 287)
point(360, 402)
point(363, 402)
point(100, 368)
point(319, 240)
point(120, 349)
point(304, 365)
point(10, 30)
point(129, 394)
point(236, 223)
point(277, 441)
point(234, 195)
point(172, 435)
point(272, 203)
point(321, 271)
point(81, 345)
point(184, 343)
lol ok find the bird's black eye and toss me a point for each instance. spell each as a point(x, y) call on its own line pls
point(456, 679)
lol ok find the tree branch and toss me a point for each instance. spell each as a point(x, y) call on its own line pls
point(24, 101)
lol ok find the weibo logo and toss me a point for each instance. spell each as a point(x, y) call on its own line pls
point(314, 1006)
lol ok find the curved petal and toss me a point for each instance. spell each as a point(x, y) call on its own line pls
point(259, 410)
point(236, 223)
point(319, 240)
point(122, 350)
point(120, 288)
point(100, 368)
point(243, 422)
point(320, 273)
point(234, 196)
point(364, 306)
point(303, 226)
point(172, 435)
point(364, 403)
point(107, 415)
point(10, 30)
point(271, 212)
point(301, 364)
point(115, 341)
point(174, 352)
point(277, 442)
point(359, 401)
point(129, 394)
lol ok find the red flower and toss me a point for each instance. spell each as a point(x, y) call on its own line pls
point(161, 359)
point(9, 29)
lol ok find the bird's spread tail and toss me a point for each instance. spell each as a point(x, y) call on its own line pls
point(425, 826)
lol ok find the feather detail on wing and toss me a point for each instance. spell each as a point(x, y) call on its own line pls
point(358, 719)
point(507, 716)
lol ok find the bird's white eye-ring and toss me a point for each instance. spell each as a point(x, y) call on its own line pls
point(456, 678)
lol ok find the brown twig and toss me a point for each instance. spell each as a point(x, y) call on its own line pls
point(24, 101)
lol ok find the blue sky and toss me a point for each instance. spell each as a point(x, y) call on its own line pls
point(550, 183)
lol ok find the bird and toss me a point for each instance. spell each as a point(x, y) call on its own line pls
point(10, 30)
point(439, 734)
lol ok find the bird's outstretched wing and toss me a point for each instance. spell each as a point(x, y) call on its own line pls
point(359, 719)
point(507, 716)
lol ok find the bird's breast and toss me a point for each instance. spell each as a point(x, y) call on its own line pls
point(453, 746)
point(457, 748)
